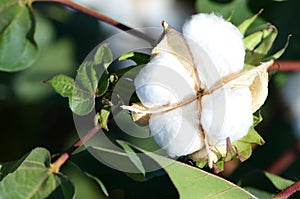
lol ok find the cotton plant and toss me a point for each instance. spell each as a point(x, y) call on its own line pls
point(201, 88)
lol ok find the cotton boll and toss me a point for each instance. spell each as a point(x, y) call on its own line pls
point(227, 113)
point(177, 131)
point(221, 40)
point(163, 81)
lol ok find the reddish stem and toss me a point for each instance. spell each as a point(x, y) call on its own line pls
point(65, 156)
point(101, 17)
point(287, 66)
point(88, 11)
point(288, 191)
point(285, 160)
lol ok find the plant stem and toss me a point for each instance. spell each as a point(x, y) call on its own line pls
point(101, 17)
point(65, 156)
point(288, 191)
point(287, 65)
point(285, 160)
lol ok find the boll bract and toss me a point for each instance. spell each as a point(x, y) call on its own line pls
point(195, 91)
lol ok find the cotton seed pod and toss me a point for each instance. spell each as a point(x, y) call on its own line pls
point(195, 91)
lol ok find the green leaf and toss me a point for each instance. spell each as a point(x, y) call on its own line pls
point(133, 156)
point(62, 84)
point(195, 183)
point(18, 49)
point(244, 26)
point(239, 8)
point(137, 57)
point(252, 40)
point(103, 83)
point(281, 51)
point(99, 182)
point(259, 193)
point(33, 177)
point(102, 117)
point(103, 56)
point(83, 99)
point(279, 182)
point(85, 90)
point(244, 150)
point(258, 44)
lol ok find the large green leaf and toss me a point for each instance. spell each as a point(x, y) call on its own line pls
point(33, 177)
point(195, 183)
point(18, 49)
point(133, 157)
point(191, 182)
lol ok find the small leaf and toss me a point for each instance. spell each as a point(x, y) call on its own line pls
point(103, 56)
point(33, 177)
point(99, 182)
point(103, 83)
point(279, 182)
point(83, 98)
point(243, 27)
point(253, 40)
point(62, 84)
point(18, 49)
point(268, 40)
point(85, 90)
point(137, 57)
point(133, 157)
point(103, 117)
point(262, 42)
point(243, 150)
point(281, 51)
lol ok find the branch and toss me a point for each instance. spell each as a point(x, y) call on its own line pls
point(65, 156)
point(285, 160)
point(287, 65)
point(101, 17)
point(288, 191)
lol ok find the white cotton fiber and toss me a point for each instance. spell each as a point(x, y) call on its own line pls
point(217, 49)
point(163, 81)
point(221, 41)
point(227, 113)
point(177, 131)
